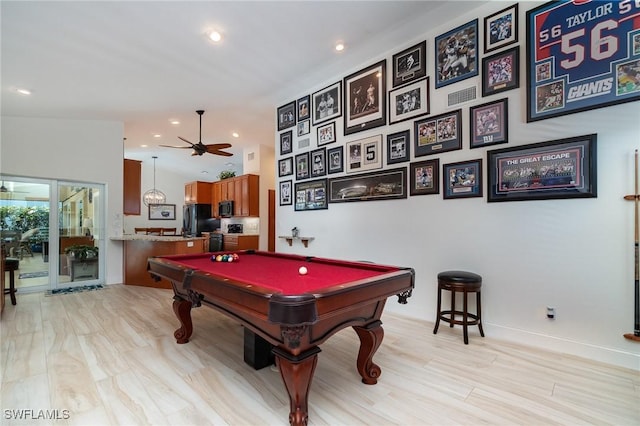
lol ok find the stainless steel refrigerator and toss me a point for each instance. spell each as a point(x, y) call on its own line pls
point(196, 219)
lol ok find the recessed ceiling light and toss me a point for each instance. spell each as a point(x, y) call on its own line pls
point(24, 91)
point(214, 36)
point(157, 135)
point(143, 146)
point(339, 46)
point(235, 135)
point(174, 122)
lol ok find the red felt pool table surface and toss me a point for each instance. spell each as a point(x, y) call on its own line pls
point(281, 272)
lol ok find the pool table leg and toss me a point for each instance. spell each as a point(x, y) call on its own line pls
point(182, 309)
point(370, 339)
point(297, 372)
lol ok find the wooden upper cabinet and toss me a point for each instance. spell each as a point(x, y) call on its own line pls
point(243, 190)
point(132, 186)
point(197, 193)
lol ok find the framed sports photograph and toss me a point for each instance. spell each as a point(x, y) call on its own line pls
point(285, 167)
point(162, 212)
point(326, 133)
point(364, 154)
point(365, 100)
point(500, 72)
point(563, 168)
point(409, 101)
point(287, 116)
point(319, 162)
point(327, 103)
point(304, 108)
point(590, 62)
point(311, 195)
point(379, 185)
point(501, 28)
point(398, 147)
point(303, 128)
point(335, 162)
point(302, 166)
point(286, 198)
point(456, 54)
point(489, 123)
point(441, 133)
point(410, 64)
point(462, 180)
point(286, 142)
point(424, 177)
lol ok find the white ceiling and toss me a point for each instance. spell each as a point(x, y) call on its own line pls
point(144, 63)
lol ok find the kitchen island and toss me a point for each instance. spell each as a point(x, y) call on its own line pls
point(139, 248)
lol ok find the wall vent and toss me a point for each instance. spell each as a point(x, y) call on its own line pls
point(462, 96)
point(250, 156)
point(303, 143)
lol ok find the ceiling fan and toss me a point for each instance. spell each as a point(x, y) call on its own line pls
point(200, 148)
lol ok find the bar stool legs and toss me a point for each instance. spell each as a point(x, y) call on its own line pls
point(465, 283)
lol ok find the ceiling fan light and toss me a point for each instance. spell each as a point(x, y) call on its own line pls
point(215, 36)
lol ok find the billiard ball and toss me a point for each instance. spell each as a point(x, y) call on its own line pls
point(213, 258)
point(302, 270)
point(219, 258)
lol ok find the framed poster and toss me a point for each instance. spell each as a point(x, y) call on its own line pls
point(456, 54)
point(462, 180)
point(425, 177)
point(319, 162)
point(365, 100)
point(410, 64)
point(489, 123)
point(398, 147)
point(409, 101)
point(285, 167)
point(303, 128)
point(581, 55)
point(287, 116)
point(437, 134)
point(327, 103)
point(326, 133)
point(285, 193)
point(564, 168)
point(303, 108)
point(364, 154)
point(302, 166)
point(378, 185)
point(311, 195)
point(501, 29)
point(335, 160)
point(501, 72)
point(286, 142)
point(162, 212)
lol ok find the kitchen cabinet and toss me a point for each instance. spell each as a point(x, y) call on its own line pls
point(243, 190)
point(132, 187)
point(233, 242)
point(197, 192)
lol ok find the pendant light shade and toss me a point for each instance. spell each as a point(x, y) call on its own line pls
point(154, 196)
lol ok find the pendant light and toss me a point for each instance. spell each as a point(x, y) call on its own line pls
point(154, 196)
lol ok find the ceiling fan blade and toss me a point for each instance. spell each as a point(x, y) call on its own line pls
point(215, 146)
point(218, 152)
point(180, 147)
point(183, 139)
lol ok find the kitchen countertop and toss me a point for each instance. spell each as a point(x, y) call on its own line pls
point(142, 237)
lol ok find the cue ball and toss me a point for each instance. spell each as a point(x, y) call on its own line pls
point(302, 270)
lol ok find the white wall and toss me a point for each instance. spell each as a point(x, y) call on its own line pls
point(575, 255)
point(76, 150)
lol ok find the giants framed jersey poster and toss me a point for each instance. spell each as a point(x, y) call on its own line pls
point(582, 54)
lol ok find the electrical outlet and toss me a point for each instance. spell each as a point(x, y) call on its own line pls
point(551, 312)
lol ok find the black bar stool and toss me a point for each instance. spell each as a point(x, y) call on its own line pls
point(11, 265)
point(465, 283)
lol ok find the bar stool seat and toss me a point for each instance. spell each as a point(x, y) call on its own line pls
point(11, 265)
point(465, 283)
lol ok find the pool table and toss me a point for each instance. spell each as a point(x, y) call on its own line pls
point(265, 292)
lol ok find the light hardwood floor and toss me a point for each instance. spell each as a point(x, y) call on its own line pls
point(109, 358)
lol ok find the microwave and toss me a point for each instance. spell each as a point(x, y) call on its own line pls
point(225, 208)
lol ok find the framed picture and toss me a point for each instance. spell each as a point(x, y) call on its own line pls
point(564, 168)
point(303, 128)
point(364, 154)
point(424, 177)
point(365, 99)
point(287, 116)
point(286, 142)
point(327, 103)
point(409, 101)
point(302, 166)
point(489, 123)
point(438, 134)
point(462, 180)
point(335, 162)
point(591, 63)
point(456, 54)
point(311, 195)
point(326, 133)
point(410, 64)
point(303, 108)
point(398, 147)
point(162, 212)
point(500, 72)
point(501, 28)
point(285, 167)
point(379, 185)
point(319, 162)
point(285, 193)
